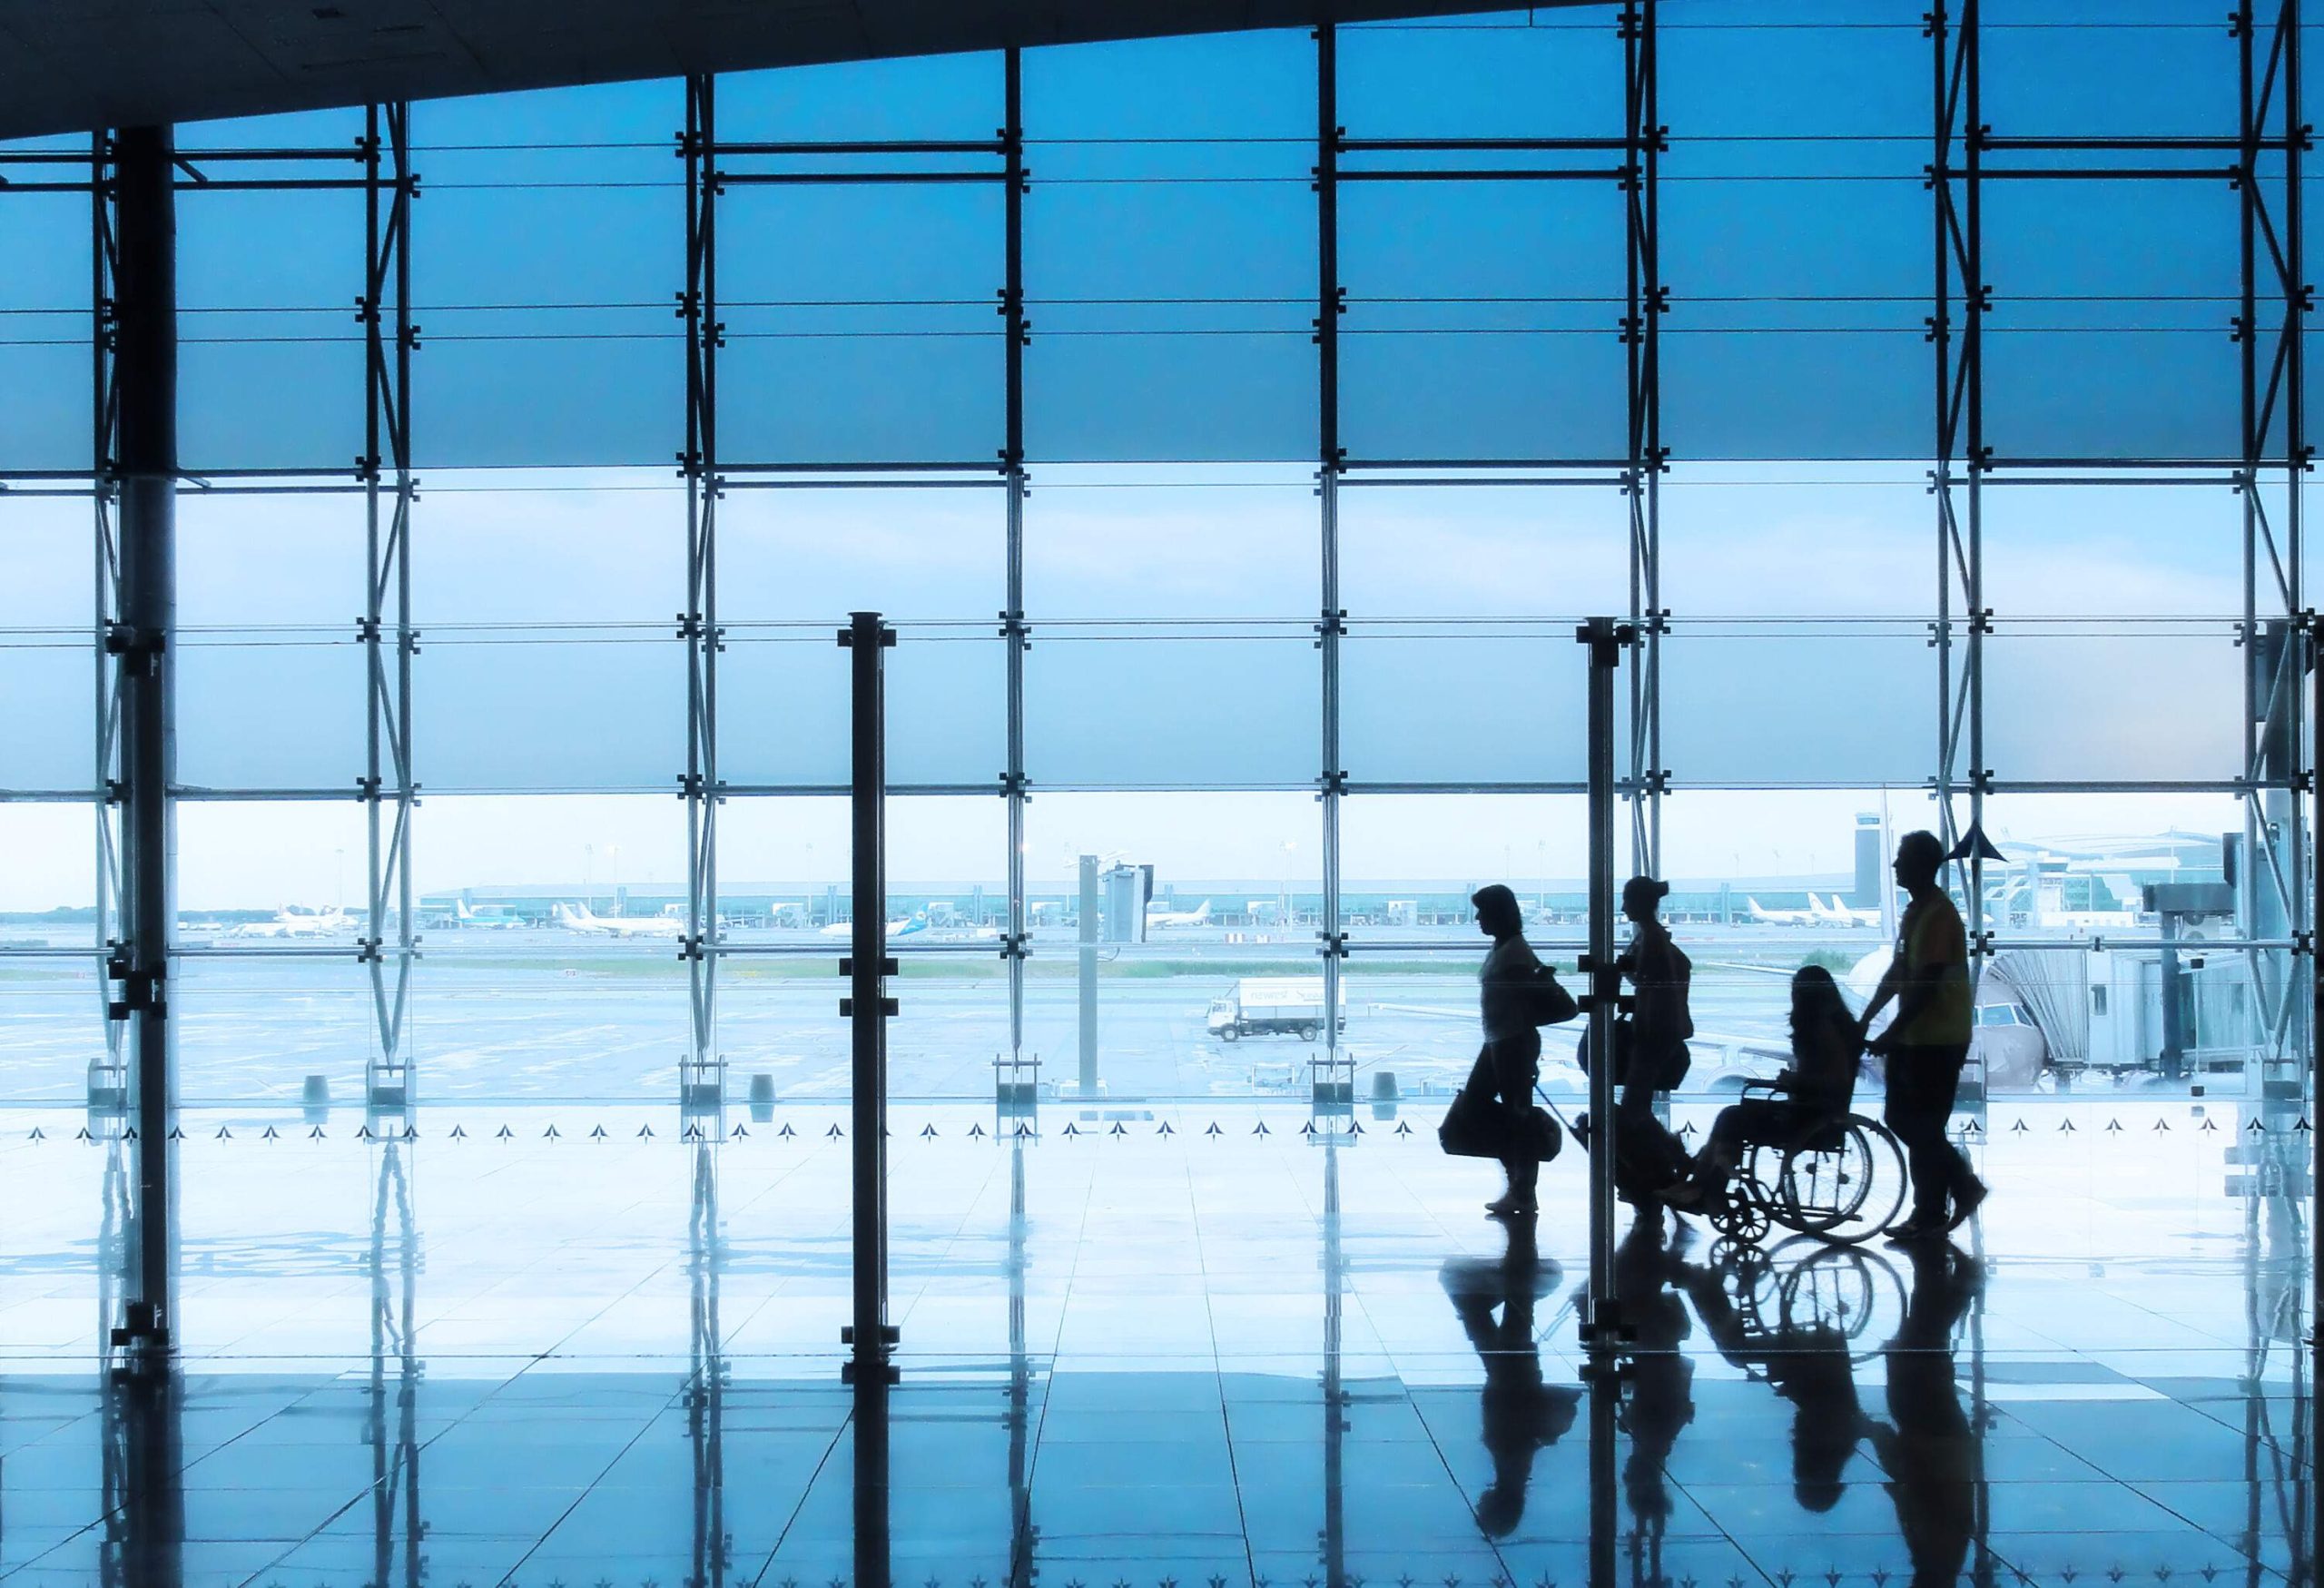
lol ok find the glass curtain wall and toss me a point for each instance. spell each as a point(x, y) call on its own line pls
point(1235, 429)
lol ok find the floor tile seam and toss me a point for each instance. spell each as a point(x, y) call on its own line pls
point(563, 1516)
point(65, 1542)
point(783, 1533)
point(2141, 1486)
point(1218, 1385)
point(942, 1258)
point(1064, 1300)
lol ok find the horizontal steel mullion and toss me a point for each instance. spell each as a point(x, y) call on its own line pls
point(353, 151)
point(981, 466)
point(1989, 142)
point(2109, 942)
point(2227, 785)
point(1616, 464)
point(1607, 174)
point(351, 953)
point(50, 797)
point(203, 793)
point(240, 184)
point(849, 178)
point(1989, 465)
point(2112, 173)
point(994, 147)
point(47, 187)
point(1613, 481)
point(1513, 786)
point(726, 484)
point(2209, 481)
point(1418, 146)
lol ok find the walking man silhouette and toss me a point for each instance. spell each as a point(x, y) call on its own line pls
point(1927, 1043)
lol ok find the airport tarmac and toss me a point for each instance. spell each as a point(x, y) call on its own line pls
point(541, 1015)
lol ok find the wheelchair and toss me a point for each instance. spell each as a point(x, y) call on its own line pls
point(1840, 1179)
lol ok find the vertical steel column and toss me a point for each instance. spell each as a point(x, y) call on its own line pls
point(868, 1004)
point(703, 1087)
point(1331, 625)
point(1603, 1331)
point(111, 667)
point(1962, 455)
point(2274, 907)
point(390, 793)
point(1602, 1328)
point(1643, 138)
point(145, 284)
point(1015, 333)
point(1086, 973)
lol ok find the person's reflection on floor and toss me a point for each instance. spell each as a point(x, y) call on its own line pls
point(1521, 1414)
point(1930, 1451)
point(1804, 1358)
point(1662, 1376)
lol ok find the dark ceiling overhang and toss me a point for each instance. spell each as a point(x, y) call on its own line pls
point(71, 65)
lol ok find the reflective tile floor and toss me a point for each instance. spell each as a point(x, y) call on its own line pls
point(1131, 1356)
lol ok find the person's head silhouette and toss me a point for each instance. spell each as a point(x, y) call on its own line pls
point(1816, 1000)
point(1498, 915)
point(1919, 857)
point(1641, 896)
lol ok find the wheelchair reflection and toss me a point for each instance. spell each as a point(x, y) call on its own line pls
point(1801, 1318)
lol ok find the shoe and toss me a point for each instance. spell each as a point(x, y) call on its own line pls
point(1511, 1208)
point(1915, 1229)
point(1965, 1204)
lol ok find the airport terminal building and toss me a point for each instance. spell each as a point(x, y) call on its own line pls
point(752, 761)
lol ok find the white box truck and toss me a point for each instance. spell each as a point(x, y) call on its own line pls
point(1274, 1005)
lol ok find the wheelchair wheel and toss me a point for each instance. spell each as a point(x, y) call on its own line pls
point(1739, 1210)
point(1846, 1292)
point(1845, 1193)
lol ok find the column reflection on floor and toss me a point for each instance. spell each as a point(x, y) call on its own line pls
point(1022, 1535)
point(140, 1459)
point(705, 1391)
point(396, 1530)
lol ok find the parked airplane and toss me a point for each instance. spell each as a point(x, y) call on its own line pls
point(1839, 914)
point(902, 926)
point(1198, 916)
point(1808, 917)
point(296, 920)
point(581, 918)
point(492, 917)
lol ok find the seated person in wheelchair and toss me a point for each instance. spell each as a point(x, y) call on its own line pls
point(1815, 1089)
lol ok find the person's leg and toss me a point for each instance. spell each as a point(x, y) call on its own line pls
point(1516, 1063)
point(1962, 1185)
point(1918, 1104)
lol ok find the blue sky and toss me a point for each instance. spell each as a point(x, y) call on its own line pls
point(1170, 403)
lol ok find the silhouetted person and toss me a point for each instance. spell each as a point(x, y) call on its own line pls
point(1806, 1361)
point(1818, 1086)
point(1927, 1043)
point(1516, 993)
point(1650, 1050)
point(1521, 1414)
point(1931, 1451)
point(1660, 1023)
point(1662, 1376)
